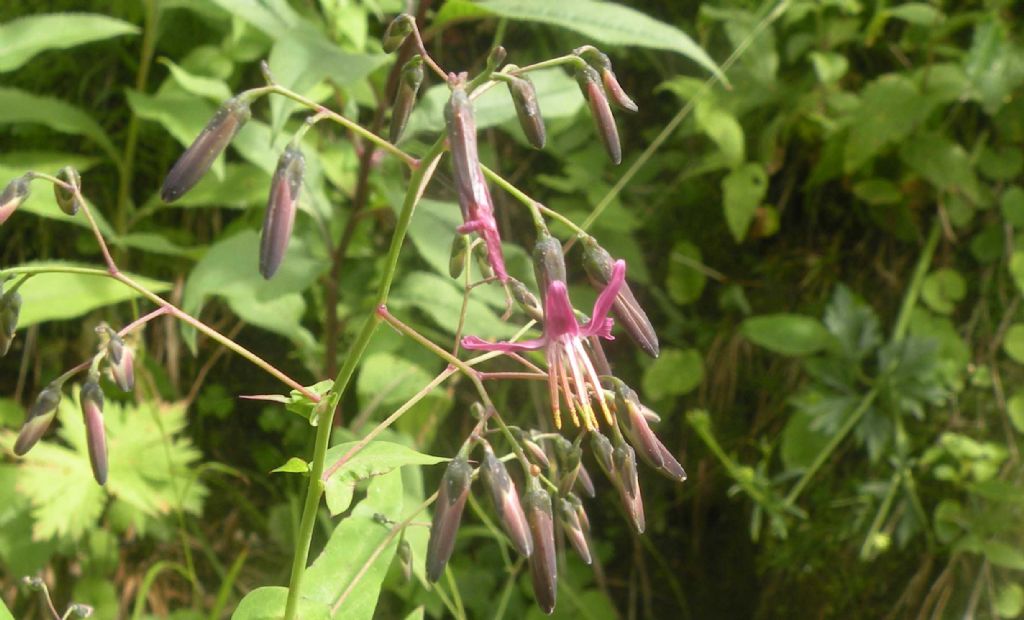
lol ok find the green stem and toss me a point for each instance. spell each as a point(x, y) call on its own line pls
point(417, 183)
point(868, 547)
point(916, 282)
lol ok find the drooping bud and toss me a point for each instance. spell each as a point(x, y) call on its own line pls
point(461, 127)
point(532, 449)
point(548, 263)
point(408, 87)
point(572, 527)
point(483, 261)
point(506, 502)
point(397, 31)
point(600, 61)
point(211, 142)
point(569, 457)
point(67, 197)
point(628, 485)
point(40, 414)
point(405, 557)
point(598, 264)
point(451, 499)
point(543, 566)
point(527, 301)
point(10, 308)
point(14, 195)
point(590, 84)
point(651, 449)
point(581, 512)
point(457, 257)
point(122, 363)
point(603, 453)
point(585, 482)
point(91, 399)
point(524, 96)
point(496, 57)
point(280, 215)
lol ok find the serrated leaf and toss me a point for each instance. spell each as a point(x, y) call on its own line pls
point(21, 107)
point(23, 38)
point(742, 192)
point(375, 459)
point(788, 334)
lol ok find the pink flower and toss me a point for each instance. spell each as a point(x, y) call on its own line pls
point(569, 364)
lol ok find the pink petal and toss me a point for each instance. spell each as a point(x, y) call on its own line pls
point(559, 317)
point(600, 324)
point(479, 344)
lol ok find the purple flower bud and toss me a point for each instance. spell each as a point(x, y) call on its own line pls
point(91, 399)
point(527, 301)
point(451, 498)
point(496, 57)
point(651, 449)
point(121, 362)
point(603, 453)
point(280, 215)
point(67, 198)
point(524, 96)
point(581, 512)
point(543, 567)
point(603, 64)
point(548, 261)
point(532, 449)
point(598, 264)
point(506, 502)
point(572, 527)
point(408, 88)
point(628, 484)
point(38, 420)
point(14, 195)
point(590, 84)
point(585, 482)
point(457, 257)
point(211, 142)
point(10, 308)
point(569, 457)
point(397, 31)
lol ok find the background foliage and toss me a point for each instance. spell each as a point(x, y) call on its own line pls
point(829, 247)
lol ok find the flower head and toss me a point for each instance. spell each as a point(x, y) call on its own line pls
point(569, 365)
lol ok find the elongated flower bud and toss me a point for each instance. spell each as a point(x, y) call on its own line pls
point(14, 195)
point(211, 142)
point(603, 453)
point(280, 215)
point(572, 527)
point(451, 499)
point(524, 96)
point(122, 371)
point(650, 448)
point(10, 308)
point(585, 482)
point(603, 64)
point(543, 566)
point(461, 127)
point(532, 449)
point(496, 57)
point(405, 99)
point(95, 435)
point(527, 301)
point(598, 264)
point(67, 198)
point(397, 31)
point(629, 484)
point(40, 414)
point(483, 260)
point(590, 84)
point(457, 257)
point(506, 502)
point(405, 557)
point(548, 262)
point(581, 512)
point(569, 457)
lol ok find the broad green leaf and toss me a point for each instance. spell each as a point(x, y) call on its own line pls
point(674, 373)
point(724, 130)
point(21, 107)
point(390, 379)
point(1009, 601)
point(890, 108)
point(440, 298)
point(155, 243)
point(23, 38)
point(181, 114)
point(352, 546)
point(919, 13)
point(605, 22)
point(1013, 342)
point(829, 66)
point(742, 192)
point(1011, 204)
point(801, 441)
point(685, 281)
point(294, 465)
point(199, 85)
point(1001, 164)
point(787, 334)
point(877, 191)
point(273, 18)
point(268, 603)
point(943, 163)
point(1003, 554)
point(942, 290)
point(1015, 410)
point(993, 64)
point(59, 296)
point(432, 231)
point(376, 459)
point(5, 614)
point(242, 186)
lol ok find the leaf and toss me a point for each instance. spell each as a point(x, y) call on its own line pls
point(1015, 411)
point(294, 465)
point(724, 130)
point(268, 603)
point(801, 440)
point(788, 334)
point(674, 373)
point(1013, 342)
point(684, 281)
point(1011, 204)
point(199, 85)
point(890, 108)
point(1003, 554)
point(21, 107)
point(829, 66)
point(942, 290)
point(60, 296)
point(603, 22)
point(877, 192)
point(181, 114)
point(1009, 601)
point(23, 38)
point(943, 163)
point(742, 192)
point(441, 299)
point(375, 459)
point(918, 13)
point(5, 614)
point(298, 403)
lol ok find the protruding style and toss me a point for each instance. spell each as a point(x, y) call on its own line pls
point(597, 100)
point(39, 417)
point(599, 264)
point(16, 192)
point(543, 565)
point(408, 88)
point(67, 197)
point(506, 502)
point(451, 499)
point(91, 398)
point(281, 205)
point(211, 142)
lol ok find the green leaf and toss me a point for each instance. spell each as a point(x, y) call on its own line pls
point(890, 108)
point(742, 192)
point(604, 22)
point(198, 85)
point(801, 440)
point(21, 107)
point(685, 281)
point(59, 296)
point(5, 614)
point(877, 192)
point(918, 13)
point(724, 130)
point(23, 38)
point(943, 163)
point(1003, 554)
point(298, 403)
point(294, 465)
point(1011, 204)
point(268, 603)
point(942, 290)
point(674, 373)
point(440, 298)
point(1015, 411)
point(787, 334)
point(1001, 164)
point(1013, 342)
point(376, 459)
point(1009, 601)
point(829, 66)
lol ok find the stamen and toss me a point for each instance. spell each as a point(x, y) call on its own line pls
point(565, 385)
point(595, 382)
point(581, 386)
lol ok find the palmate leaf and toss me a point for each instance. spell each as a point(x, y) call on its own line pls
point(150, 468)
